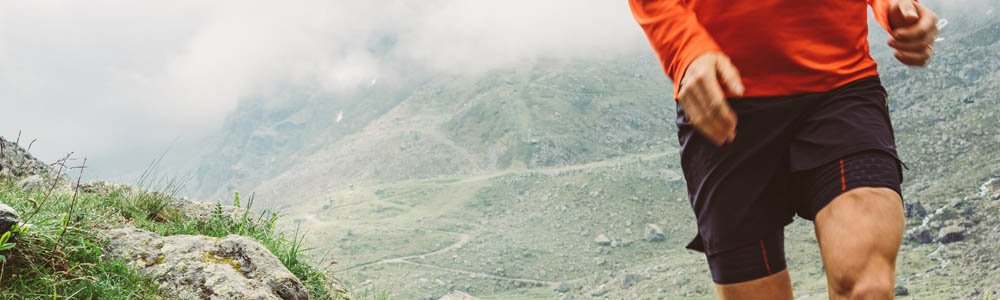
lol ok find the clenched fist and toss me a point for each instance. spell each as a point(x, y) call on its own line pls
point(914, 28)
point(703, 91)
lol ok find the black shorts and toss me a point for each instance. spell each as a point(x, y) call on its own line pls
point(746, 191)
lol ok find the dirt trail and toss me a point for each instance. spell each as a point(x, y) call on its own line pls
point(557, 170)
point(484, 275)
point(463, 239)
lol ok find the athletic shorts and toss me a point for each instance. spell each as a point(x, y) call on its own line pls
point(779, 165)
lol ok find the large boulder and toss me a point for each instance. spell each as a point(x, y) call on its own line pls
point(901, 291)
point(915, 210)
point(951, 234)
point(8, 217)
point(200, 267)
point(921, 235)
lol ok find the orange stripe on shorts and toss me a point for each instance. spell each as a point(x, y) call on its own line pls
point(843, 180)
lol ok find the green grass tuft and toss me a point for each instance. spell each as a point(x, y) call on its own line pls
point(44, 265)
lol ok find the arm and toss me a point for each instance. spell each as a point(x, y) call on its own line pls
point(913, 28)
point(696, 64)
point(674, 33)
point(880, 8)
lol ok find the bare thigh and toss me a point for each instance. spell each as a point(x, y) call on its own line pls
point(859, 235)
point(777, 286)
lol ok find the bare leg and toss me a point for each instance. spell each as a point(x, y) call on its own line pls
point(859, 234)
point(777, 286)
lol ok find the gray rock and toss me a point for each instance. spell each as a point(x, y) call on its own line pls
point(16, 162)
point(8, 217)
point(31, 183)
point(599, 291)
point(951, 234)
point(631, 279)
point(654, 233)
point(602, 240)
point(915, 210)
point(902, 291)
point(457, 295)
point(200, 267)
point(921, 235)
point(564, 287)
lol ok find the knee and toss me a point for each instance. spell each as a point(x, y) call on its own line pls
point(872, 292)
point(863, 286)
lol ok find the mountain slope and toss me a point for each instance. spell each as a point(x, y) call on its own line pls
point(498, 184)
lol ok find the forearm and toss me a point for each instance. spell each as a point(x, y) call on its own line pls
point(674, 33)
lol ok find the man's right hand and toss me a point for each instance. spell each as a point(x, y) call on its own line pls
point(704, 87)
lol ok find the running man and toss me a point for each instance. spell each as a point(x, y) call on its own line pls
point(780, 112)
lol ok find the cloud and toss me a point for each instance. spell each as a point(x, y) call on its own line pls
point(126, 77)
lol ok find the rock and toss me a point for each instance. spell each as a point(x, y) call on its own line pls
point(16, 162)
point(921, 235)
point(951, 234)
point(602, 240)
point(8, 217)
point(97, 187)
point(200, 267)
point(457, 295)
point(654, 233)
point(204, 210)
point(915, 210)
point(564, 287)
point(599, 291)
point(631, 279)
point(31, 183)
point(902, 291)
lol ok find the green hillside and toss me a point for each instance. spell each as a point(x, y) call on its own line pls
point(497, 184)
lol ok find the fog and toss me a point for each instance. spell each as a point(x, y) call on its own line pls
point(121, 80)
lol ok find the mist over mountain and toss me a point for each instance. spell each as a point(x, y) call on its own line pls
point(508, 150)
point(543, 179)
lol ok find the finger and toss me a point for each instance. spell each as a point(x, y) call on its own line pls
point(722, 123)
point(690, 97)
point(913, 46)
point(730, 77)
point(923, 29)
point(721, 116)
point(908, 10)
point(917, 59)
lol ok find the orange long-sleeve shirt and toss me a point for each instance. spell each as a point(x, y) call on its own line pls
point(781, 47)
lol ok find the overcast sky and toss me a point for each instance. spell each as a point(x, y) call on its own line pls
point(127, 77)
point(124, 78)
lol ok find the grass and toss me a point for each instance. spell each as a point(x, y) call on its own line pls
point(43, 265)
point(59, 257)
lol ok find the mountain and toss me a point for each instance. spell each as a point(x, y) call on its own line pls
point(500, 184)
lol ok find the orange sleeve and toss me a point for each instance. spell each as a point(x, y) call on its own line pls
point(675, 34)
point(880, 8)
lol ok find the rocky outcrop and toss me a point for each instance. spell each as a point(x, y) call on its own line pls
point(18, 163)
point(951, 234)
point(200, 267)
point(921, 235)
point(915, 210)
